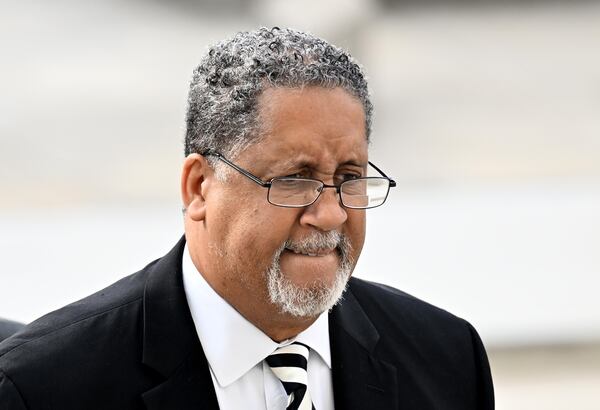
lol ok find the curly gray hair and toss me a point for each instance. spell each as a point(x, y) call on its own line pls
point(222, 114)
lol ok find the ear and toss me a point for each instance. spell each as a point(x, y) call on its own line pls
point(195, 177)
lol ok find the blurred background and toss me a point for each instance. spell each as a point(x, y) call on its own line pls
point(487, 115)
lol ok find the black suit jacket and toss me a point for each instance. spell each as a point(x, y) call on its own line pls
point(8, 328)
point(133, 345)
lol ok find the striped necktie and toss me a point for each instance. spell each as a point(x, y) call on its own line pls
point(289, 365)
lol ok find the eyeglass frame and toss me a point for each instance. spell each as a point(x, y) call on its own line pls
point(268, 184)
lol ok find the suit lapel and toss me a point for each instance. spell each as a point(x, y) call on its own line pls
point(171, 345)
point(190, 387)
point(360, 380)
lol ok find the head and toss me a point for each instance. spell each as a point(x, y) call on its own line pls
point(223, 111)
point(277, 103)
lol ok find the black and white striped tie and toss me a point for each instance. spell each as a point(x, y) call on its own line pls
point(289, 365)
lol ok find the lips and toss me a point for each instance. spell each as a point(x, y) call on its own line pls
point(311, 252)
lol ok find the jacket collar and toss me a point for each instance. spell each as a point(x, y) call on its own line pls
point(171, 346)
point(360, 379)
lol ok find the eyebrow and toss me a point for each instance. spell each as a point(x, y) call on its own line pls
point(303, 162)
point(355, 163)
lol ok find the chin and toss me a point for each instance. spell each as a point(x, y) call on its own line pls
point(308, 299)
point(295, 280)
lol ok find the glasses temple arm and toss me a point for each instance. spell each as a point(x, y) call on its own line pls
point(238, 169)
point(392, 182)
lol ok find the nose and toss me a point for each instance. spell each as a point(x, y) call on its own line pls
point(326, 213)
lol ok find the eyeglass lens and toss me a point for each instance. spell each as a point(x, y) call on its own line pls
point(365, 192)
point(293, 192)
point(360, 193)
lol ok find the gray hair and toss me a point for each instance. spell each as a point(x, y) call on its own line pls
point(222, 113)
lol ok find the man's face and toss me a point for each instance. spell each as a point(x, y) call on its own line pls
point(257, 249)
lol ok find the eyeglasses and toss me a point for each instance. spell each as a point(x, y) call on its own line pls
point(293, 192)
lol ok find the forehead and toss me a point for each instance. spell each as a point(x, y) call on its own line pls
point(324, 126)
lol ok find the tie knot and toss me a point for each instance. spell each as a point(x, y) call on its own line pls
point(289, 364)
point(293, 355)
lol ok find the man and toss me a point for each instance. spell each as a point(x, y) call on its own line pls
point(248, 311)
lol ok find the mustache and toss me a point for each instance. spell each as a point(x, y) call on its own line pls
point(316, 241)
point(319, 241)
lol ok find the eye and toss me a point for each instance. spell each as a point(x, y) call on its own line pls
point(348, 176)
point(298, 174)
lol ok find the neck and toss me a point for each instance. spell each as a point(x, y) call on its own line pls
point(282, 327)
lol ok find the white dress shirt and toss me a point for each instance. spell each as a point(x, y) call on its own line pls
point(236, 349)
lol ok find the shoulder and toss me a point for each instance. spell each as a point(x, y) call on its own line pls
point(8, 328)
point(90, 354)
point(440, 354)
point(401, 318)
point(380, 298)
point(96, 322)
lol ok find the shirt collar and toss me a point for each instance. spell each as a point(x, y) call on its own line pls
point(231, 343)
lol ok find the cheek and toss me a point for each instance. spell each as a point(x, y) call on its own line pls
point(356, 229)
point(254, 235)
point(270, 230)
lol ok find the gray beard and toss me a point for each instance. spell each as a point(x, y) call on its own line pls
point(317, 297)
